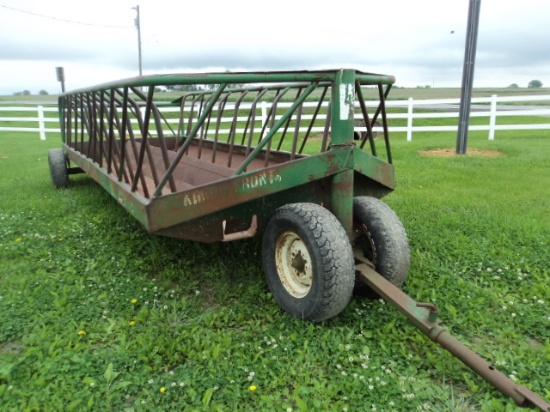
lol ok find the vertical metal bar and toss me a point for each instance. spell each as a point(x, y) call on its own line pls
point(136, 109)
point(162, 144)
point(181, 124)
point(221, 108)
point(252, 120)
point(122, 133)
point(343, 97)
point(366, 120)
point(313, 119)
point(101, 126)
point(67, 120)
point(273, 115)
point(144, 142)
point(467, 77)
point(326, 130)
point(296, 130)
point(92, 125)
point(287, 125)
point(111, 130)
point(343, 107)
point(385, 121)
point(191, 114)
point(81, 124)
point(117, 154)
point(233, 131)
point(137, 113)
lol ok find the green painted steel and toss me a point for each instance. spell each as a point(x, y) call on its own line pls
point(188, 177)
point(236, 78)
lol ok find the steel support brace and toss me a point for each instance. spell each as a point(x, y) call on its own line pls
point(424, 317)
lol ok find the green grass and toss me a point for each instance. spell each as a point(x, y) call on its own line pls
point(205, 328)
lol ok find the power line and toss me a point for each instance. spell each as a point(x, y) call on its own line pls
point(64, 20)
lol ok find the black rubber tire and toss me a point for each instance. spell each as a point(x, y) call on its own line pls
point(58, 168)
point(326, 264)
point(382, 239)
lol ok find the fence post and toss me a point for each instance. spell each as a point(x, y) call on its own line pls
point(41, 123)
point(493, 117)
point(410, 120)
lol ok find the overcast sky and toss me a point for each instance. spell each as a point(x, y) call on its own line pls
point(421, 42)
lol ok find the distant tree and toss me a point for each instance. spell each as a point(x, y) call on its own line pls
point(43, 93)
point(535, 84)
point(26, 93)
point(513, 86)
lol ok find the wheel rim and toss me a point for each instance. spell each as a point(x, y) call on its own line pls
point(293, 264)
point(363, 240)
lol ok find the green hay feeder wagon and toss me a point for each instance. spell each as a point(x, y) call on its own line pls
point(300, 158)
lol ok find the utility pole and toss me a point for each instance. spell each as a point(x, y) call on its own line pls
point(468, 76)
point(137, 22)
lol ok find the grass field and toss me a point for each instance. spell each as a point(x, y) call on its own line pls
point(99, 315)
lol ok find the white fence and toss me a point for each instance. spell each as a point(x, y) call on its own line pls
point(41, 119)
point(430, 109)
